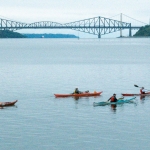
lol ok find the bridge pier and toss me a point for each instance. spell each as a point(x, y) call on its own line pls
point(130, 31)
point(99, 29)
point(99, 36)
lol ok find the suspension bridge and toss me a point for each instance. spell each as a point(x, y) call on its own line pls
point(97, 25)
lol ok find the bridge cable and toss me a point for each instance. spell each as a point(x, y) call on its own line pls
point(134, 19)
point(9, 19)
point(114, 16)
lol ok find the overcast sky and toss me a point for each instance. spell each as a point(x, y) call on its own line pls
point(64, 11)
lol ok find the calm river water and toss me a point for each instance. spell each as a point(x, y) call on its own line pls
point(32, 70)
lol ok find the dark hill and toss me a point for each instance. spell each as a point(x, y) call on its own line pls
point(143, 31)
point(10, 34)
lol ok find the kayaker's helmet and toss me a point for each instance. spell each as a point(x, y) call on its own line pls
point(114, 94)
point(142, 87)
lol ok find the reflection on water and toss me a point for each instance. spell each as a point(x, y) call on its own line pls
point(113, 107)
point(142, 97)
point(76, 98)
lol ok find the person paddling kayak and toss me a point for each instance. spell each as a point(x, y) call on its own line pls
point(113, 98)
point(76, 91)
point(143, 91)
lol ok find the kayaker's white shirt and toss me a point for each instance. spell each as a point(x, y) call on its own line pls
point(144, 90)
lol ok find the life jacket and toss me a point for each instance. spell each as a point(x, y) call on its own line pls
point(113, 99)
point(142, 91)
point(76, 91)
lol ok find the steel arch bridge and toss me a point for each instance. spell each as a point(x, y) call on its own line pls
point(96, 26)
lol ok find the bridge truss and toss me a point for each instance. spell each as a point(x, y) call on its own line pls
point(11, 25)
point(97, 25)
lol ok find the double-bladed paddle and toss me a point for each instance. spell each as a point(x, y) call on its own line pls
point(139, 87)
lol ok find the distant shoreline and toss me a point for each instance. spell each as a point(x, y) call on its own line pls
point(11, 34)
point(134, 37)
point(50, 35)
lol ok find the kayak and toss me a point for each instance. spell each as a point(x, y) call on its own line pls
point(5, 104)
point(79, 95)
point(130, 100)
point(147, 94)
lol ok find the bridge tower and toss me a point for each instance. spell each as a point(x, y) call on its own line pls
point(99, 30)
point(130, 29)
point(121, 25)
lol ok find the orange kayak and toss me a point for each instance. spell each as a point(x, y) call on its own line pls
point(146, 94)
point(79, 95)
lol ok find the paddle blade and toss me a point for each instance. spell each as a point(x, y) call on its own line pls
point(136, 85)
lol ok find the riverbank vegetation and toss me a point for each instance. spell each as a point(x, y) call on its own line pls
point(10, 34)
point(143, 31)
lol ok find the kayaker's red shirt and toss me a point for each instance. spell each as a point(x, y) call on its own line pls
point(113, 99)
point(141, 91)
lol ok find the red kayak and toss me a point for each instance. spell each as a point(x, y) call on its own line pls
point(146, 94)
point(79, 95)
point(4, 104)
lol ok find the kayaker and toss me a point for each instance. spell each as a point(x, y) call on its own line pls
point(113, 98)
point(142, 90)
point(76, 91)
